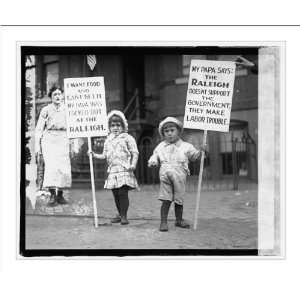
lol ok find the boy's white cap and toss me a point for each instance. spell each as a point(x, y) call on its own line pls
point(169, 120)
point(119, 114)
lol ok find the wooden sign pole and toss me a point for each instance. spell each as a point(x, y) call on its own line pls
point(93, 182)
point(200, 181)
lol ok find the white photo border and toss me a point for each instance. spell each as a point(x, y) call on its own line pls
point(279, 252)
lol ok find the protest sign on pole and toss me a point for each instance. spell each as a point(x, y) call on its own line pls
point(86, 115)
point(86, 107)
point(209, 95)
point(208, 103)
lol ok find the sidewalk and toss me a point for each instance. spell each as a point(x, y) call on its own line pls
point(227, 220)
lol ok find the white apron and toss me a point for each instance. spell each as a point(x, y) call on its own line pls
point(55, 149)
point(51, 135)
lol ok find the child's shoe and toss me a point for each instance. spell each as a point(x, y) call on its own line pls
point(163, 226)
point(124, 220)
point(179, 220)
point(116, 219)
point(182, 224)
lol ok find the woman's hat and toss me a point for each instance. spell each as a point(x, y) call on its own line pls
point(120, 115)
point(169, 120)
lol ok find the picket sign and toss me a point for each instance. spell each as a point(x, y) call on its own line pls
point(208, 104)
point(93, 183)
point(199, 182)
point(86, 116)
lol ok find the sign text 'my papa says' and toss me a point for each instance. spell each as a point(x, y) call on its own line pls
point(86, 107)
point(209, 95)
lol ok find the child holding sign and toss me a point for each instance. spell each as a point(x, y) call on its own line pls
point(120, 151)
point(173, 155)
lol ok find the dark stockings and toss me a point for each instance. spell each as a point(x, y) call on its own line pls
point(117, 200)
point(164, 210)
point(121, 200)
point(178, 212)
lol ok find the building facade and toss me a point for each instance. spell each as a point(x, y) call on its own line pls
point(148, 87)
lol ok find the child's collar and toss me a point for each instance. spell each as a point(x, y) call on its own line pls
point(177, 143)
point(112, 136)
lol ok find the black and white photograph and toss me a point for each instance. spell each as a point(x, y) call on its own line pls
point(150, 150)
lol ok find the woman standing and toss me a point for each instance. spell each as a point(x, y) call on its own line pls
point(52, 142)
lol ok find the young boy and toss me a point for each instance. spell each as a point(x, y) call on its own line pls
point(173, 155)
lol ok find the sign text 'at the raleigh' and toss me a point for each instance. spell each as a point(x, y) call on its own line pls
point(85, 107)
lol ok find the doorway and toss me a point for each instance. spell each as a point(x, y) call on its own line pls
point(134, 78)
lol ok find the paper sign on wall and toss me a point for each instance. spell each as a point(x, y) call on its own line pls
point(85, 107)
point(209, 95)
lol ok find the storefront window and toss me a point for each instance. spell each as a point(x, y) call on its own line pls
point(29, 61)
point(237, 151)
point(29, 103)
point(186, 61)
point(52, 76)
point(226, 139)
point(50, 71)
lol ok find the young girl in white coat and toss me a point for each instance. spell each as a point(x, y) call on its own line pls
point(121, 153)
